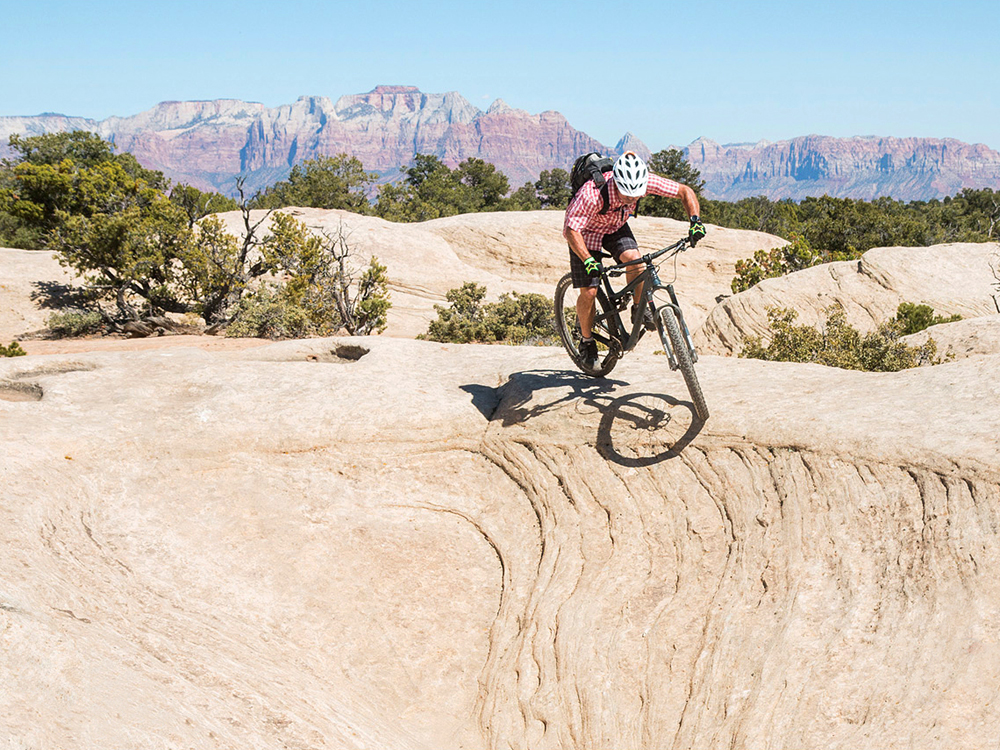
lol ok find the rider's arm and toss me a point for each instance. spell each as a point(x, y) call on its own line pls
point(581, 211)
point(670, 189)
point(576, 243)
point(690, 200)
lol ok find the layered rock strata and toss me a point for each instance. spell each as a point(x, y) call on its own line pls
point(397, 544)
point(208, 144)
point(859, 167)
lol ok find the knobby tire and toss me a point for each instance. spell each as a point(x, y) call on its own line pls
point(668, 326)
point(569, 329)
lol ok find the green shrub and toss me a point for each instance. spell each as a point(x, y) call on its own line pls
point(316, 292)
point(913, 318)
point(368, 311)
point(457, 322)
point(74, 323)
point(269, 314)
point(13, 234)
point(838, 344)
point(519, 319)
point(14, 350)
point(513, 319)
point(325, 182)
point(144, 252)
point(769, 264)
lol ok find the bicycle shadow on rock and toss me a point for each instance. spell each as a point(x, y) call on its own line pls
point(651, 427)
point(635, 429)
point(524, 396)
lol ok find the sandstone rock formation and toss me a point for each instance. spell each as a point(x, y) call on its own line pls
point(525, 252)
point(513, 251)
point(631, 142)
point(506, 252)
point(859, 167)
point(955, 278)
point(27, 279)
point(48, 122)
point(428, 546)
point(198, 143)
point(208, 144)
point(386, 543)
point(963, 338)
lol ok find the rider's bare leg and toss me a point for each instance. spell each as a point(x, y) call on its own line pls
point(585, 310)
point(632, 272)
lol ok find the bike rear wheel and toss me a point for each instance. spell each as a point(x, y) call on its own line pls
point(673, 340)
point(608, 350)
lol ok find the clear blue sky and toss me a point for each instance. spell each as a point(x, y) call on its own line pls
point(669, 72)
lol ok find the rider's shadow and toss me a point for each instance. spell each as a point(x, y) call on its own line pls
point(636, 429)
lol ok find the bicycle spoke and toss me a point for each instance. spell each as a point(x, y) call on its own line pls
point(569, 328)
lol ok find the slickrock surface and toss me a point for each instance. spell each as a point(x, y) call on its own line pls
point(24, 275)
point(386, 543)
point(963, 338)
point(955, 278)
point(397, 544)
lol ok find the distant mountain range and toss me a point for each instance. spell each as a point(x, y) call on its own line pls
point(208, 144)
point(860, 167)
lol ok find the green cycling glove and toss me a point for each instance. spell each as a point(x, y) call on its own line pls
point(697, 230)
point(592, 267)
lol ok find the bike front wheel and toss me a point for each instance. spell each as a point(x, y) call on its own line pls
point(569, 328)
point(673, 340)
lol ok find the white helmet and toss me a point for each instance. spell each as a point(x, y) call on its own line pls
point(631, 175)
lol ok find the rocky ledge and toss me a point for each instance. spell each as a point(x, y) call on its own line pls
point(387, 543)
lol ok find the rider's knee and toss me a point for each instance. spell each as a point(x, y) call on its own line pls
point(588, 292)
point(628, 255)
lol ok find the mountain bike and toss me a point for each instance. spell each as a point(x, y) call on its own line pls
point(613, 337)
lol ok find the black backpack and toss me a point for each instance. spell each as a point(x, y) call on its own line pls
point(591, 168)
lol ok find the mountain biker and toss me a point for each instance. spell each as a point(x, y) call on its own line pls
point(588, 229)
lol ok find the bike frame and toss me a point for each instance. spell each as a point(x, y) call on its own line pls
point(621, 338)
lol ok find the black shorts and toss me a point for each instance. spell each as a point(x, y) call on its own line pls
point(614, 245)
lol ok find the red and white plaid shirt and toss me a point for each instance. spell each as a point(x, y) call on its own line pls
point(583, 213)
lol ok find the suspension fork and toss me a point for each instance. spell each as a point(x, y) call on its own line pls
point(676, 307)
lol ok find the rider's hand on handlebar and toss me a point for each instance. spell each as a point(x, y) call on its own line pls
point(592, 267)
point(697, 230)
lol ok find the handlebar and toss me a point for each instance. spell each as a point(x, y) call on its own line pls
point(680, 246)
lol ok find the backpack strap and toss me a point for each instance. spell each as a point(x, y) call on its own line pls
point(605, 195)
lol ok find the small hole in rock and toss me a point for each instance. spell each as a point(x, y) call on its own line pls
point(12, 391)
point(352, 352)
